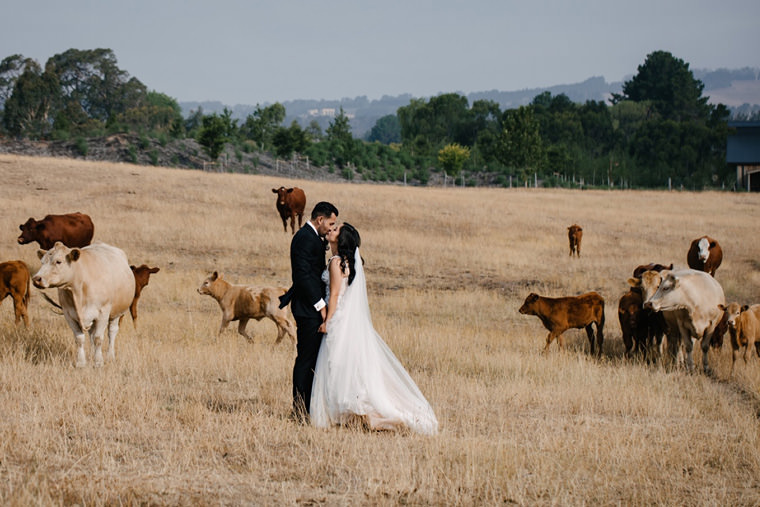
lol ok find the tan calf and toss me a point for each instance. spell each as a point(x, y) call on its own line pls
point(744, 328)
point(243, 302)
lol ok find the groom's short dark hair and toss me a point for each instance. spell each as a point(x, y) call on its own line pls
point(323, 209)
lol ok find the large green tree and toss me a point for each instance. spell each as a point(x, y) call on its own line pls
point(262, 125)
point(30, 109)
point(669, 86)
point(520, 144)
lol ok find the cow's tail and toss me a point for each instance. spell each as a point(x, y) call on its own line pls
point(52, 302)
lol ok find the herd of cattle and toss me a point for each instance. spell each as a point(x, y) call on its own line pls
point(96, 286)
point(682, 305)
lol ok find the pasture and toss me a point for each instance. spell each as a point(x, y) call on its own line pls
point(183, 417)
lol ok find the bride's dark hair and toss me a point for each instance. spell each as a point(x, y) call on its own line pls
point(348, 241)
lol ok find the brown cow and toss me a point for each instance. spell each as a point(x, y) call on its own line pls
point(575, 235)
point(142, 276)
point(15, 282)
point(642, 328)
point(74, 230)
point(560, 314)
point(705, 254)
point(744, 327)
point(243, 302)
point(633, 322)
point(290, 202)
point(650, 267)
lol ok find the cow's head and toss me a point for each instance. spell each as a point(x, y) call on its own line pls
point(282, 193)
point(648, 283)
point(667, 293)
point(703, 247)
point(732, 312)
point(207, 287)
point(529, 306)
point(30, 231)
point(142, 275)
point(56, 268)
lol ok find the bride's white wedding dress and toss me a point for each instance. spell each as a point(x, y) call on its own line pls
point(358, 375)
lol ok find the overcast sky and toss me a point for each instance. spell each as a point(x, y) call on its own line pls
point(256, 52)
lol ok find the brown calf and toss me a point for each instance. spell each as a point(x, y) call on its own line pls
point(142, 276)
point(574, 236)
point(242, 303)
point(744, 329)
point(560, 314)
point(15, 282)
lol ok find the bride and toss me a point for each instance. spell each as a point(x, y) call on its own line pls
point(357, 376)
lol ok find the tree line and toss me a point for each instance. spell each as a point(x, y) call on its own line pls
point(660, 130)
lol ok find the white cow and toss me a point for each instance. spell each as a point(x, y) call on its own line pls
point(95, 288)
point(689, 299)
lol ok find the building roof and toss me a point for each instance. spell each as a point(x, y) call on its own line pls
point(743, 146)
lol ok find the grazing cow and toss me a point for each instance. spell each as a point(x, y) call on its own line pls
point(142, 276)
point(14, 282)
point(705, 254)
point(74, 230)
point(95, 288)
point(744, 329)
point(560, 314)
point(243, 302)
point(290, 202)
point(574, 236)
point(691, 297)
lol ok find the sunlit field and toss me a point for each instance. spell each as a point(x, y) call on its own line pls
point(184, 417)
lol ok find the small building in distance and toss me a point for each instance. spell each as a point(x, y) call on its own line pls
point(743, 151)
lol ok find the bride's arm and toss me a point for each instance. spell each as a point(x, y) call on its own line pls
point(336, 278)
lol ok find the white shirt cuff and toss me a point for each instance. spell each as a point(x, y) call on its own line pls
point(320, 304)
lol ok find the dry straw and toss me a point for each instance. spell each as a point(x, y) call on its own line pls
point(183, 417)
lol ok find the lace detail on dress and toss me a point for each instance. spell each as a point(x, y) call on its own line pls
point(326, 281)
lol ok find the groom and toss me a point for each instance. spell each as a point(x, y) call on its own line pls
point(307, 262)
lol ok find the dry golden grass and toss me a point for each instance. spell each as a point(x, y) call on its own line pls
point(181, 417)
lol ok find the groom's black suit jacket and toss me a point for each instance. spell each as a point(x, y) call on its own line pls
point(307, 261)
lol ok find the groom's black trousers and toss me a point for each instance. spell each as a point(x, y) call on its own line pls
point(309, 340)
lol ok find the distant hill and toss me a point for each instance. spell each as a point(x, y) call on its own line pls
point(739, 89)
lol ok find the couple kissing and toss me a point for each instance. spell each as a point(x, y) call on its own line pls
point(344, 372)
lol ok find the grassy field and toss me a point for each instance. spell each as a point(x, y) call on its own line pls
point(183, 417)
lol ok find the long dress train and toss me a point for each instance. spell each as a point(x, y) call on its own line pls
point(357, 374)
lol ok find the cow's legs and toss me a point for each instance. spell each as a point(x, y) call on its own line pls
point(705, 350)
point(79, 336)
point(113, 330)
point(97, 330)
point(283, 328)
point(19, 309)
point(590, 334)
point(241, 329)
point(300, 218)
point(688, 345)
point(285, 224)
point(549, 339)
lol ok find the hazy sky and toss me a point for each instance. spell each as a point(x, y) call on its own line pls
point(254, 51)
